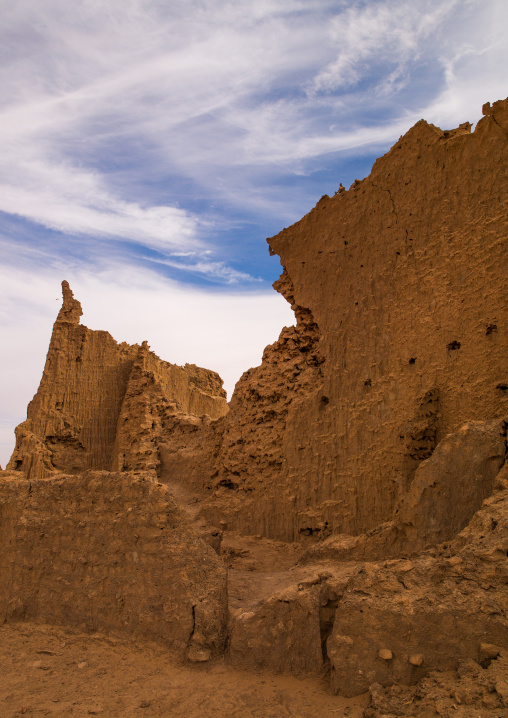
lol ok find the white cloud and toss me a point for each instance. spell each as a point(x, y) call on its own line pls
point(377, 33)
point(210, 90)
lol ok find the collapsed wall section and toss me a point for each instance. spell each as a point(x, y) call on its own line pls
point(399, 620)
point(158, 396)
point(361, 621)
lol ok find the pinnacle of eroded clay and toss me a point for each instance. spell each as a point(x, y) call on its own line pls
point(71, 309)
point(89, 381)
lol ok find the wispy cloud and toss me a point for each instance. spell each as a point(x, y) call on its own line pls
point(96, 92)
point(393, 34)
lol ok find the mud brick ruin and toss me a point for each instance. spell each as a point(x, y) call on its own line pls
point(346, 515)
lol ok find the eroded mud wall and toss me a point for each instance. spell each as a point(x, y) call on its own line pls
point(399, 286)
point(103, 405)
point(109, 551)
point(158, 396)
point(71, 421)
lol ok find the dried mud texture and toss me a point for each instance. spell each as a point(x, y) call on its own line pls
point(103, 405)
point(113, 552)
point(388, 622)
point(399, 290)
point(158, 396)
point(472, 691)
point(447, 490)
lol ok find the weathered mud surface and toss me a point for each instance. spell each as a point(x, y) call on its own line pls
point(102, 405)
point(48, 671)
point(345, 518)
point(399, 289)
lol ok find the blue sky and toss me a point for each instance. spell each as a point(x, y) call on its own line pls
point(150, 147)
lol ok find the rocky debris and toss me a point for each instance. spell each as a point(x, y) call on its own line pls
point(380, 622)
point(109, 551)
point(470, 691)
point(430, 612)
point(103, 405)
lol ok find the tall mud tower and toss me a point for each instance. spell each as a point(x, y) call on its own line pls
point(399, 289)
point(104, 405)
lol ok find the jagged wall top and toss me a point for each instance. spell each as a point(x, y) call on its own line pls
point(398, 285)
point(71, 309)
point(95, 395)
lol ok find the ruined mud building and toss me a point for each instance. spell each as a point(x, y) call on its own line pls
point(373, 433)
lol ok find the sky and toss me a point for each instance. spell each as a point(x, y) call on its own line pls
point(149, 147)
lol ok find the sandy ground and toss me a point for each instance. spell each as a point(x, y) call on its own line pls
point(48, 671)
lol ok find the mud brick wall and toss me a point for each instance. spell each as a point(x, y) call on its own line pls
point(109, 551)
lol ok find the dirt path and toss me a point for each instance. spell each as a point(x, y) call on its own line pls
point(47, 671)
point(258, 567)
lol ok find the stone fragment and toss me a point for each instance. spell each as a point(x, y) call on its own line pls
point(488, 651)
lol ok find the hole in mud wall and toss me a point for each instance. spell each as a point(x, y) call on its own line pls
point(326, 621)
point(314, 531)
point(502, 387)
point(491, 329)
point(308, 531)
point(325, 400)
point(18, 464)
point(228, 484)
point(412, 360)
point(420, 434)
point(367, 382)
point(452, 346)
